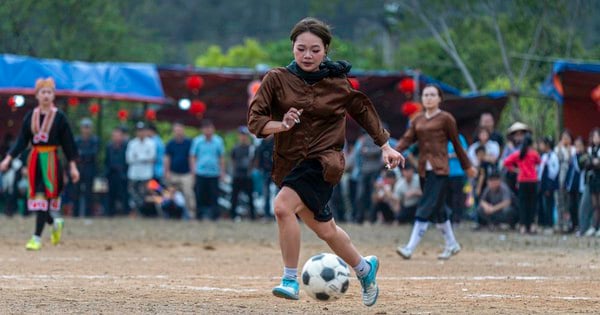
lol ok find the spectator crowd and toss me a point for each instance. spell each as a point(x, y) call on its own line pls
point(524, 182)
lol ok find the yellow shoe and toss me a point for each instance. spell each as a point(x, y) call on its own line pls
point(33, 244)
point(57, 231)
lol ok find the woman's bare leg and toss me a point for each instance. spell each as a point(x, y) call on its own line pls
point(286, 204)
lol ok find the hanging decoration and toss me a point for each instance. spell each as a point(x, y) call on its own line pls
point(253, 87)
point(73, 101)
point(94, 108)
point(354, 83)
point(197, 108)
point(406, 86)
point(123, 114)
point(595, 95)
point(194, 83)
point(11, 102)
point(410, 108)
point(150, 114)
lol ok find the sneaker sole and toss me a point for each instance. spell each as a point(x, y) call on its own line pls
point(284, 295)
point(447, 258)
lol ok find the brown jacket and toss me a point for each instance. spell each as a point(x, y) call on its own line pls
point(322, 129)
point(433, 135)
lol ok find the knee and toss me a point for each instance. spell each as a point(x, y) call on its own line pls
point(327, 232)
point(281, 208)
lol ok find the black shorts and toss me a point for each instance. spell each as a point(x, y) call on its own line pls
point(432, 206)
point(306, 179)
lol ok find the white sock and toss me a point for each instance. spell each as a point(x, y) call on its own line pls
point(290, 273)
point(418, 231)
point(37, 238)
point(446, 229)
point(363, 268)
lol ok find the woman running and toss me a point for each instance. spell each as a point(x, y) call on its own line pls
point(304, 105)
point(432, 130)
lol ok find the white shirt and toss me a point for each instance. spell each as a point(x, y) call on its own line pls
point(549, 161)
point(140, 156)
point(402, 187)
point(492, 148)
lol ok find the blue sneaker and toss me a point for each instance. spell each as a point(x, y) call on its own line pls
point(370, 290)
point(288, 289)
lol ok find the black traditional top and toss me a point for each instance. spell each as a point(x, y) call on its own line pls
point(59, 134)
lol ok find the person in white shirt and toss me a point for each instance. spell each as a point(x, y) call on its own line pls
point(407, 193)
point(140, 156)
point(492, 148)
point(548, 178)
point(565, 151)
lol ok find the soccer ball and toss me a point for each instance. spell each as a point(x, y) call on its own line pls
point(325, 277)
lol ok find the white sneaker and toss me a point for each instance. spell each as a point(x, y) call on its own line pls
point(405, 252)
point(449, 252)
point(590, 232)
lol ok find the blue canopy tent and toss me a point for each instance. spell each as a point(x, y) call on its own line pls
point(136, 82)
point(571, 85)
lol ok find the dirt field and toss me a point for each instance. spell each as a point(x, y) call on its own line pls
point(127, 266)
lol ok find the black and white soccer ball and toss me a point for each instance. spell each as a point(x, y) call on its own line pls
point(325, 277)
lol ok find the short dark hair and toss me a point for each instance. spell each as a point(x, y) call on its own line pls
point(206, 123)
point(494, 175)
point(314, 26)
point(480, 149)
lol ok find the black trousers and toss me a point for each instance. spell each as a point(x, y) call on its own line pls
point(527, 203)
point(82, 191)
point(242, 184)
point(117, 194)
point(207, 197)
point(574, 198)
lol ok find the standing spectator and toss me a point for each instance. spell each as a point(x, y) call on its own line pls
point(370, 166)
point(206, 157)
point(241, 158)
point(159, 169)
point(492, 148)
point(264, 163)
point(383, 199)
point(88, 146)
point(565, 151)
point(548, 176)
point(176, 164)
point(575, 185)
point(516, 133)
point(484, 169)
point(495, 205)
point(408, 194)
point(524, 163)
point(115, 165)
point(456, 198)
point(593, 166)
point(486, 121)
point(140, 155)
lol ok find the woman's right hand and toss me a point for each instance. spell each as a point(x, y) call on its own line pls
point(291, 118)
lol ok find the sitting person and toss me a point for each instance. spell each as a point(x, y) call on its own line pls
point(168, 201)
point(496, 204)
point(383, 198)
point(407, 193)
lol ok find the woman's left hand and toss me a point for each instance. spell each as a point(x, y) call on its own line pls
point(391, 157)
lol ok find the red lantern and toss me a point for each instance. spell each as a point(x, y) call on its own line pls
point(595, 95)
point(406, 85)
point(73, 101)
point(354, 82)
point(198, 107)
point(150, 114)
point(123, 114)
point(194, 83)
point(11, 102)
point(410, 108)
point(253, 87)
point(94, 108)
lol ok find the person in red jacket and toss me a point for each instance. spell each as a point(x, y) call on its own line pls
point(525, 161)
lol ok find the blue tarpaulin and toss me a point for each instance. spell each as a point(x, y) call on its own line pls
point(552, 85)
point(138, 82)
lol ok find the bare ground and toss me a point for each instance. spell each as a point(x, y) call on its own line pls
point(134, 266)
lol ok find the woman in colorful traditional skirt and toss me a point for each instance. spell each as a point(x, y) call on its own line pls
point(46, 128)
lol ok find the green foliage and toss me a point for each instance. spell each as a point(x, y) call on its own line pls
point(248, 54)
